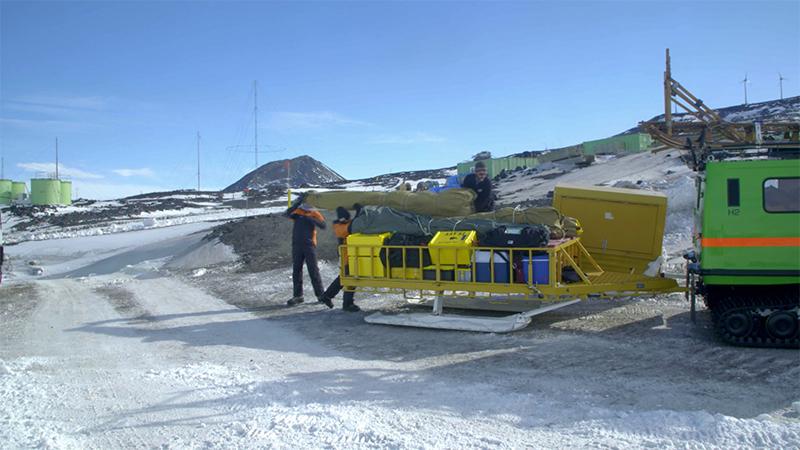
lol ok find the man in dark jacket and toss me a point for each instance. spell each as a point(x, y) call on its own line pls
point(341, 228)
point(304, 250)
point(482, 186)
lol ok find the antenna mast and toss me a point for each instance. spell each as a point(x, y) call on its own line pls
point(56, 158)
point(198, 161)
point(255, 119)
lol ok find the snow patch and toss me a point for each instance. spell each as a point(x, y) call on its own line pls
point(209, 253)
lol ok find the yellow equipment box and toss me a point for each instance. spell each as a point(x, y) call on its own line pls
point(452, 247)
point(623, 229)
point(363, 254)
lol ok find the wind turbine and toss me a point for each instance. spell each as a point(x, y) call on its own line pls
point(780, 82)
point(744, 83)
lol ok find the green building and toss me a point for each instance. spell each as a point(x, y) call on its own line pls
point(626, 143)
point(496, 165)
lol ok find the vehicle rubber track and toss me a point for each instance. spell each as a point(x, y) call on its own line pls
point(749, 313)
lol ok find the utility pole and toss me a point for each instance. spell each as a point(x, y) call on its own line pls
point(198, 161)
point(744, 83)
point(255, 119)
point(2, 168)
point(780, 81)
point(56, 158)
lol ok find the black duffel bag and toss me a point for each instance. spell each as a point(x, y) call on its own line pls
point(517, 236)
point(412, 254)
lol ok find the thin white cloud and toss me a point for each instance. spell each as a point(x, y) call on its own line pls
point(53, 113)
point(50, 168)
point(58, 103)
point(292, 121)
point(143, 172)
point(43, 124)
point(406, 139)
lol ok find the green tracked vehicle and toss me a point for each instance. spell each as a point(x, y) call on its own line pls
point(746, 258)
point(746, 262)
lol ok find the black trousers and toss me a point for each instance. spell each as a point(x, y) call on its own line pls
point(305, 254)
point(334, 289)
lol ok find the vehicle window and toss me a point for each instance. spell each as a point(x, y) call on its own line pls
point(782, 195)
point(733, 192)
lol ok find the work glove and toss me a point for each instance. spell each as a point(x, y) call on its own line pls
point(295, 204)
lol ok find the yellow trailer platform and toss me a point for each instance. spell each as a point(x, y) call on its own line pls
point(531, 280)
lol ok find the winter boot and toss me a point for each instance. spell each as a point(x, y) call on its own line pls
point(351, 307)
point(326, 301)
point(295, 301)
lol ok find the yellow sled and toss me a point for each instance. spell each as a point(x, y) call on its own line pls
point(624, 229)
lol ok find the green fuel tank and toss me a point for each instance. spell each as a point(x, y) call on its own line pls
point(18, 190)
point(45, 191)
point(5, 192)
point(66, 192)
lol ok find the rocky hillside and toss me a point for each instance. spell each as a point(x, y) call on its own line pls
point(303, 170)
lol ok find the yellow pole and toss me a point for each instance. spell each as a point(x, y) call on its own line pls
point(289, 194)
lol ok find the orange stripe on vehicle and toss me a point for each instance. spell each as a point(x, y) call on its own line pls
point(752, 242)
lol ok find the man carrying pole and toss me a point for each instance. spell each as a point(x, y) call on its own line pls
point(304, 250)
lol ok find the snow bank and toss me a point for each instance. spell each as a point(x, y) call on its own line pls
point(164, 219)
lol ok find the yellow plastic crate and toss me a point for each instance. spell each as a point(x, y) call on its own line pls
point(365, 261)
point(452, 247)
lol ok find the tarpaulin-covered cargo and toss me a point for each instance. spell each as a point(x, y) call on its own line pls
point(449, 203)
point(555, 221)
point(380, 219)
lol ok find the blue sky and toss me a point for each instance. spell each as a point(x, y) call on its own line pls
point(366, 88)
